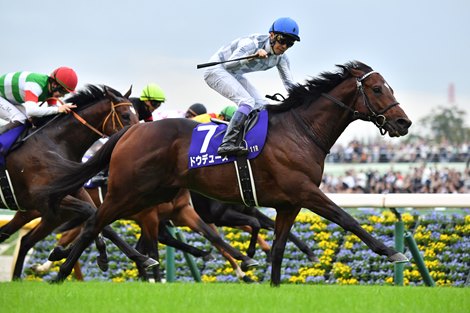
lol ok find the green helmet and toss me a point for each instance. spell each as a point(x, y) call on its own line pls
point(152, 92)
point(228, 112)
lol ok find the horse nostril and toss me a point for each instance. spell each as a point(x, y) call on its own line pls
point(404, 122)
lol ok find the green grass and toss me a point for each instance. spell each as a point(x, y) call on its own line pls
point(77, 297)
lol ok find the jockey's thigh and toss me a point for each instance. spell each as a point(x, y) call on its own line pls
point(10, 112)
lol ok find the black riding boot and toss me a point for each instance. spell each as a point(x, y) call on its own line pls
point(232, 142)
point(9, 126)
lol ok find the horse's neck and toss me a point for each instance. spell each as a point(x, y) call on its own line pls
point(328, 120)
point(74, 138)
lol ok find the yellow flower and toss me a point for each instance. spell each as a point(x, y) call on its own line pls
point(368, 228)
point(297, 279)
point(208, 279)
point(118, 279)
point(347, 281)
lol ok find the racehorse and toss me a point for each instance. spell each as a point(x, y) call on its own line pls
point(287, 172)
point(101, 111)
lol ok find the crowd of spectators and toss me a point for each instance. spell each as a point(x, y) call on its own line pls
point(421, 179)
point(384, 152)
point(423, 175)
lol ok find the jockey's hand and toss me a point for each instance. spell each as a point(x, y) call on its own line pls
point(66, 107)
point(261, 54)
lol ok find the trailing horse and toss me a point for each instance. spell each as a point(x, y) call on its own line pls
point(101, 111)
point(287, 172)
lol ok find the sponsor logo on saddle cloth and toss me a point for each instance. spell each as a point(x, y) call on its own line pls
point(207, 138)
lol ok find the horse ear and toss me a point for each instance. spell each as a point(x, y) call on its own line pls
point(356, 72)
point(128, 94)
point(110, 94)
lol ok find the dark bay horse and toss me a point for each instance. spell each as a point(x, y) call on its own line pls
point(100, 111)
point(287, 173)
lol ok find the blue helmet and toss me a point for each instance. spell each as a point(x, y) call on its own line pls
point(286, 26)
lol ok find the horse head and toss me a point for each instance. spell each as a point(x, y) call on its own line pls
point(375, 102)
point(122, 112)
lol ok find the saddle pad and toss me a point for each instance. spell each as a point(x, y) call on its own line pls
point(7, 140)
point(206, 139)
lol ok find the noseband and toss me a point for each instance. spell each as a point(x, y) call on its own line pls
point(113, 115)
point(376, 117)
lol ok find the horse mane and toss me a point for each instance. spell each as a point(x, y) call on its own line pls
point(83, 98)
point(90, 95)
point(304, 94)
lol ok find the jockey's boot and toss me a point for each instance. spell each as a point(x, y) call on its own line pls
point(9, 126)
point(232, 144)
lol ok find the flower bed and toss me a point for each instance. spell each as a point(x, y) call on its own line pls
point(442, 238)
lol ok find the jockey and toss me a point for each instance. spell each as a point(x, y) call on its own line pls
point(228, 79)
point(151, 98)
point(21, 92)
point(224, 115)
point(195, 110)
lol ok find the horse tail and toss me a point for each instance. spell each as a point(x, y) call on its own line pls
point(77, 174)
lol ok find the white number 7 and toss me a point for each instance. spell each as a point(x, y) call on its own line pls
point(210, 132)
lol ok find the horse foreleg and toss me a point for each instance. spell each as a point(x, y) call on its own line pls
point(77, 271)
point(329, 210)
point(284, 220)
point(148, 242)
point(268, 223)
point(167, 239)
point(188, 217)
point(128, 250)
point(38, 233)
point(261, 242)
point(238, 271)
point(233, 217)
point(102, 258)
point(20, 219)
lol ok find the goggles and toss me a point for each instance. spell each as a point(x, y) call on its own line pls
point(284, 40)
point(155, 104)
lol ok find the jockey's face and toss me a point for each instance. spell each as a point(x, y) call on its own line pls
point(280, 43)
point(56, 90)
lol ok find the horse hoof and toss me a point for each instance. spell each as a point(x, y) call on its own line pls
point(398, 258)
point(247, 279)
point(36, 268)
point(246, 265)
point(57, 254)
point(103, 264)
point(149, 263)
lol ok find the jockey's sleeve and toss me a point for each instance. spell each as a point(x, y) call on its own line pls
point(285, 73)
point(33, 109)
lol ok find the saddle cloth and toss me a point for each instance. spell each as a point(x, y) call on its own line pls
point(206, 139)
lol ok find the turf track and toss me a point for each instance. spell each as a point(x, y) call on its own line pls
point(87, 297)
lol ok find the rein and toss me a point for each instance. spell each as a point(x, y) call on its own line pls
point(112, 114)
point(378, 118)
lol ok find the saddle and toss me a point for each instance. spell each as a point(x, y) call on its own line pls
point(9, 141)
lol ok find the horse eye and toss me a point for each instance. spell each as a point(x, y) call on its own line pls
point(377, 89)
point(126, 116)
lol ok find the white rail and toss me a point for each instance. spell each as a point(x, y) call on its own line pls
point(401, 200)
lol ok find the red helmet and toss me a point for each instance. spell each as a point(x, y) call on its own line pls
point(66, 77)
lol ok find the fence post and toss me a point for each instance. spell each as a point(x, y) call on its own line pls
point(189, 259)
point(400, 247)
point(170, 259)
point(411, 243)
